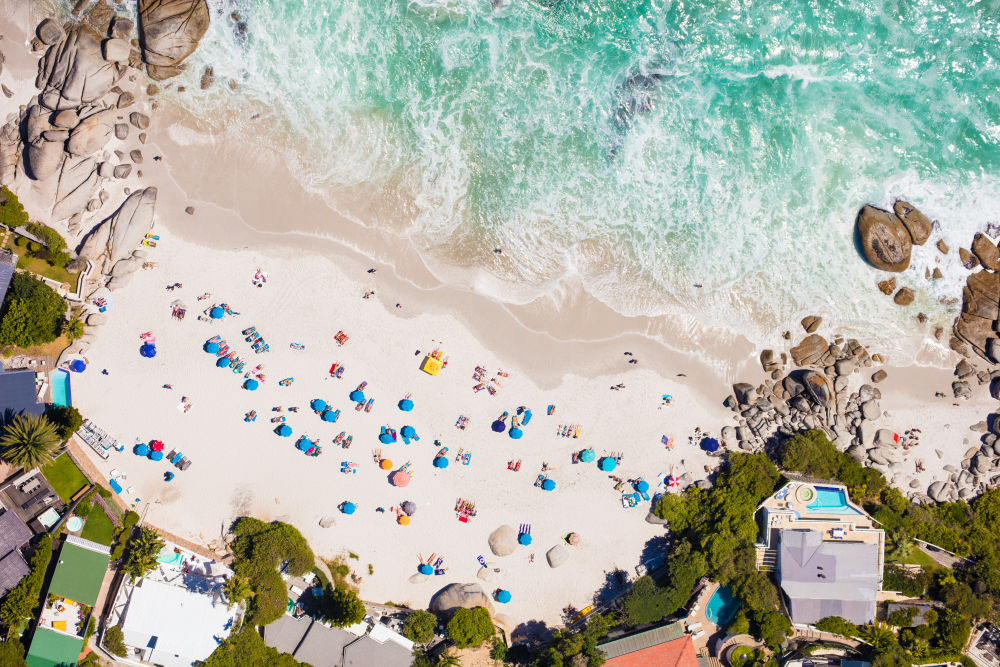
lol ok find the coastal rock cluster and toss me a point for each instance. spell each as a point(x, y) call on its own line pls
point(976, 326)
point(169, 32)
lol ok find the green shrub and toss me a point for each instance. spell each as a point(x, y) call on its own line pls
point(837, 626)
point(55, 250)
point(91, 629)
point(83, 509)
point(142, 552)
point(902, 618)
point(106, 494)
point(32, 313)
point(246, 648)
point(470, 627)
point(114, 641)
point(34, 246)
point(18, 607)
point(419, 626)
point(260, 548)
point(12, 213)
point(499, 650)
point(66, 418)
point(341, 606)
point(910, 584)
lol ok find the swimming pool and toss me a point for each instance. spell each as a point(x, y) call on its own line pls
point(169, 557)
point(60, 388)
point(722, 606)
point(830, 500)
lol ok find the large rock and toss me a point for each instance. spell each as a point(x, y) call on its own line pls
point(67, 119)
point(503, 541)
point(169, 31)
point(115, 238)
point(91, 134)
point(745, 393)
point(460, 596)
point(77, 184)
point(916, 222)
point(74, 72)
point(121, 27)
point(885, 241)
point(871, 410)
point(10, 144)
point(818, 386)
point(50, 32)
point(116, 50)
point(986, 252)
point(42, 158)
point(904, 297)
point(810, 351)
point(885, 438)
point(121, 274)
point(557, 555)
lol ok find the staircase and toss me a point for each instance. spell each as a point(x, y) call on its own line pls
point(767, 559)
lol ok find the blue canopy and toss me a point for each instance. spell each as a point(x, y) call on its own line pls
point(222, 362)
point(284, 430)
point(385, 438)
point(498, 426)
point(710, 445)
point(251, 385)
point(642, 486)
point(156, 456)
point(216, 313)
point(607, 464)
point(549, 485)
point(77, 366)
point(424, 568)
point(212, 348)
point(358, 396)
point(329, 416)
point(318, 405)
point(515, 433)
point(167, 476)
point(587, 455)
point(406, 405)
point(524, 539)
point(441, 462)
point(348, 508)
point(304, 444)
point(408, 431)
point(503, 596)
point(142, 449)
point(148, 350)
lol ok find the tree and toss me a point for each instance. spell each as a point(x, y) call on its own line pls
point(260, 548)
point(114, 641)
point(341, 606)
point(838, 626)
point(647, 602)
point(18, 607)
point(29, 441)
point(236, 590)
point(880, 638)
point(960, 598)
point(12, 654)
point(141, 553)
point(55, 252)
point(66, 418)
point(740, 625)
point(12, 213)
point(448, 659)
point(74, 329)
point(32, 313)
point(470, 627)
point(246, 648)
point(419, 626)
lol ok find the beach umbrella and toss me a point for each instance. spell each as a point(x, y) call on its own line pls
point(77, 366)
point(498, 426)
point(409, 507)
point(441, 462)
point(386, 464)
point(167, 476)
point(251, 385)
point(284, 430)
point(549, 485)
point(358, 396)
point(305, 444)
point(212, 348)
point(607, 464)
point(348, 508)
point(385, 438)
point(524, 539)
point(710, 445)
point(318, 405)
point(587, 455)
point(156, 445)
point(223, 362)
point(573, 539)
point(400, 478)
point(408, 432)
point(156, 456)
point(424, 568)
point(515, 433)
point(406, 405)
point(503, 596)
point(403, 520)
point(329, 416)
point(148, 350)
point(142, 449)
point(642, 486)
point(216, 313)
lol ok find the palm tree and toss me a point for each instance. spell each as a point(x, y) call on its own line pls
point(30, 440)
point(236, 590)
point(74, 328)
point(879, 636)
point(448, 659)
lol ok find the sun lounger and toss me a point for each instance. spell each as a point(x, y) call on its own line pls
point(184, 464)
point(176, 458)
point(171, 455)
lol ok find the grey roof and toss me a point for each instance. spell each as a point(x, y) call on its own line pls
point(323, 646)
point(366, 651)
point(824, 578)
point(17, 392)
point(12, 570)
point(6, 274)
point(285, 633)
point(13, 533)
point(642, 640)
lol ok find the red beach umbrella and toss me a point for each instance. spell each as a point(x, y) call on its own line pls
point(156, 446)
point(400, 478)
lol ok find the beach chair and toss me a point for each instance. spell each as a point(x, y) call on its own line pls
point(171, 455)
point(184, 464)
point(176, 458)
point(467, 458)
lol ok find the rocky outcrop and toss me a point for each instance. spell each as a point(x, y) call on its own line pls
point(917, 224)
point(885, 241)
point(818, 387)
point(10, 144)
point(50, 32)
point(77, 185)
point(459, 596)
point(904, 297)
point(114, 239)
point(169, 31)
point(92, 133)
point(503, 541)
point(74, 71)
point(811, 351)
point(986, 252)
point(42, 158)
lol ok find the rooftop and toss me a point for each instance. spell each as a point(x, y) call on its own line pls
point(17, 388)
point(29, 495)
point(80, 570)
point(312, 642)
point(12, 570)
point(8, 261)
point(666, 646)
point(53, 649)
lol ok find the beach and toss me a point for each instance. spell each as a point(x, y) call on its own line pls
point(564, 348)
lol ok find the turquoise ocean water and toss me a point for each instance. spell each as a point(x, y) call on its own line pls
point(642, 146)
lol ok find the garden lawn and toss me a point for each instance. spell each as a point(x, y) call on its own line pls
point(98, 527)
point(64, 477)
point(918, 557)
point(40, 266)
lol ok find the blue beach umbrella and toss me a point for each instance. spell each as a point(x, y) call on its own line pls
point(503, 596)
point(148, 350)
point(441, 462)
point(524, 539)
point(284, 430)
point(424, 568)
point(408, 432)
point(212, 348)
point(318, 405)
point(329, 416)
point(304, 444)
point(549, 485)
point(642, 486)
point(216, 313)
point(142, 449)
point(587, 455)
point(710, 445)
point(77, 366)
point(385, 438)
point(223, 362)
point(156, 456)
point(607, 464)
point(406, 405)
point(358, 396)
point(515, 433)
point(348, 508)
point(251, 385)
point(498, 426)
